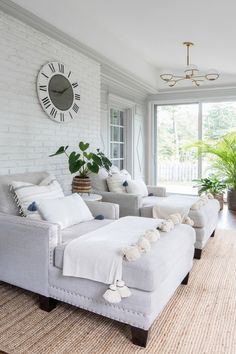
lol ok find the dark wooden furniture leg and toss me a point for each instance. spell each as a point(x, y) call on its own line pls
point(197, 253)
point(47, 303)
point(213, 233)
point(139, 336)
point(185, 280)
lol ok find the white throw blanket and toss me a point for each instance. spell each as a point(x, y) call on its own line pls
point(177, 204)
point(98, 255)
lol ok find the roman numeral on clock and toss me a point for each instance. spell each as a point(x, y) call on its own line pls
point(46, 102)
point(43, 88)
point(51, 66)
point(45, 75)
point(75, 84)
point(62, 117)
point(53, 112)
point(75, 108)
point(77, 96)
point(69, 74)
point(71, 115)
point(61, 68)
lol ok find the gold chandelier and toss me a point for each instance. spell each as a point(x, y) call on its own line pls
point(190, 73)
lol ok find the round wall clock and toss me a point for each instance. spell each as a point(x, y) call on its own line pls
point(58, 92)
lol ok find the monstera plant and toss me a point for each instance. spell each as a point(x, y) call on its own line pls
point(83, 162)
point(224, 162)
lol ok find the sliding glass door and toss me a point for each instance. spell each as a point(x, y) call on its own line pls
point(175, 127)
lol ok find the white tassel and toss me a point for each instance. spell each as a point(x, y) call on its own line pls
point(123, 289)
point(166, 226)
point(131, 253)
point(112, 295)
point(196, 205)
point(175, 218)
point(152, 235)
point(143, 245)
point(188, 221)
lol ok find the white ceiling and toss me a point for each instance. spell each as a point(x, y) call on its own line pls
point(145, 36)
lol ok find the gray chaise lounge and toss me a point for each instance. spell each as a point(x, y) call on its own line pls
point(31, 257)
point(205, 219)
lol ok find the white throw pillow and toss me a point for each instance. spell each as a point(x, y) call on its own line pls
point(65, 211)
point(28, 194)
point(126, 174)
point(137, 187)
point(115, 183)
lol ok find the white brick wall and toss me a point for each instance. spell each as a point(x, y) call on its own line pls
point(27, 136)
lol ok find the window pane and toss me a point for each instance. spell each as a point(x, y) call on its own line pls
point(115, 150)
point(116, 163)
point(115, 133)
point(115, 117)
point(176, 126)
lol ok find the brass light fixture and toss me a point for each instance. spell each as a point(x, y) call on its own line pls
point(190, 73)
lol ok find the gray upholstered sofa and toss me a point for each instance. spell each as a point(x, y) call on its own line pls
point(31, 257)
point(205, 219)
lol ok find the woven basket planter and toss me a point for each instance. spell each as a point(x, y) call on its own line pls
point(81, 185)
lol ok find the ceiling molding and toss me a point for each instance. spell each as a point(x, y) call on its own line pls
point(110, 72)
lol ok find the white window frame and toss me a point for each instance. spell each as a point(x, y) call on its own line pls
point(124, 142)
point(152, 163)
point(127, 106)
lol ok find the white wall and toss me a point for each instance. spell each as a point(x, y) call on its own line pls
point(27, 136)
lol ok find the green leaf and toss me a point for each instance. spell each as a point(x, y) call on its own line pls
point(83, 146)
point(97, 160)
point(73, 157)
point(93, 167)
point(76, 166)
point(60, 151)
point(88, 155)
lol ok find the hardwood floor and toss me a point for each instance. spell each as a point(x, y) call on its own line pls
point(227, 219)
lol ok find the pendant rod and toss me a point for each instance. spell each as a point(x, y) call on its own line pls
point(188, 45)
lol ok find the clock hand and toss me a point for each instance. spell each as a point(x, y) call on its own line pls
point(66, 89)
point(61, 92)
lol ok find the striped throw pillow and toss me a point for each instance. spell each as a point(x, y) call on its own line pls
point(27, 195)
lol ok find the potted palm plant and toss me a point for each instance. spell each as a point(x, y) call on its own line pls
point(83, 162)
point(213, 185)
point(223, 163)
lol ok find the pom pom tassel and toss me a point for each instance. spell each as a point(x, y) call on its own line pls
point(166, 226)
point(188, 221)
point(112, 295)
point(143, 245)
point(175, 218)
point(131, 253)
point(152, 235)
point(123, 289)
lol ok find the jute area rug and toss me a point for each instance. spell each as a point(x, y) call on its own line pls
point(199, 319)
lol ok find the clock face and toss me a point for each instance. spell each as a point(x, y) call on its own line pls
point(58, 92)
